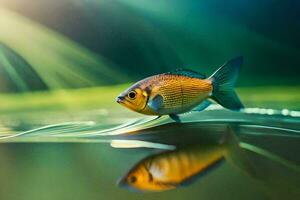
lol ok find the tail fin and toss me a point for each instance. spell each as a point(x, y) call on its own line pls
point(235, 155)
point(223, 81)
point(244, 155)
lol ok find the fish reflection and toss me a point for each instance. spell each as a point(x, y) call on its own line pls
point(169, 170)
point(172, 169)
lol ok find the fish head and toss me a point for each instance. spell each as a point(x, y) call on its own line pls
point(137, 179)
point(134, 98)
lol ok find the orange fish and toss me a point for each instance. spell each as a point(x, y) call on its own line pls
point(181, 167)
point(172, 169)
point(183, 90)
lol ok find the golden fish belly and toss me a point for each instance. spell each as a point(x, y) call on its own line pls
point(180, 93)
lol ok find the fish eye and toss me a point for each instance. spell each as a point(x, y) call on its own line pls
point(133, 179)
point(132, 95)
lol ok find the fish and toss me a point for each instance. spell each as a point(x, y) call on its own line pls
point(183, 90)
point(172, 169)
point(169, 170)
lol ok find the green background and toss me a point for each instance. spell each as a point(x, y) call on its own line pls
point(67, 60)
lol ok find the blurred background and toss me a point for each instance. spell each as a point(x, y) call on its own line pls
point(82, 43)
point(66, 60)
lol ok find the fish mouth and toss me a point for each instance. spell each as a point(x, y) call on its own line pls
point(120, 99)
point(122, 183)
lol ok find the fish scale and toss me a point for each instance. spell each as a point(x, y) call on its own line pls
point(195, 90)
point(184, 91)
point(171, 91)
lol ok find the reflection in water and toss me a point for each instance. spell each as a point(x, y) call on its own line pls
point(169, 170)
point(192, 159)
point(139, 144)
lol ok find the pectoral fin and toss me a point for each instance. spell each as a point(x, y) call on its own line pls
point(156, 103)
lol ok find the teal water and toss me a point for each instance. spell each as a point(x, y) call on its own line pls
point(82, 160)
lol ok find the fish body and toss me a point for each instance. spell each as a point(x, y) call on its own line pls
point(180, 93)
point(172, 169)
point(182, 90)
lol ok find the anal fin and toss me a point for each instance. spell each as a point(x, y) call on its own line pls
point(202, 106)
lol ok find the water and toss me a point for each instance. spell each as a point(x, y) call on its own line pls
point(85, 159)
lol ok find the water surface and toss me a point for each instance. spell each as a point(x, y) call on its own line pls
point(84, 159)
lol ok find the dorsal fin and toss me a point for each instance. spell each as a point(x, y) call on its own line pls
point(187, 72)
